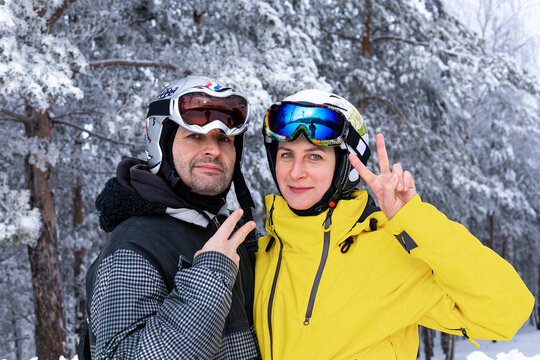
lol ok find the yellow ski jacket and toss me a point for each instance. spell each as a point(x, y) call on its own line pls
point(330, 287)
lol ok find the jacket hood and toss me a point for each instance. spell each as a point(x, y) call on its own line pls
point(136, 191)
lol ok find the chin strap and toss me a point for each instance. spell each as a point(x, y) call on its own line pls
point(240, 187)
point(243, 196)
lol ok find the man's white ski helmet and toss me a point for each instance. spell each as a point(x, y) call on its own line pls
point(199, 104)
point(166, 107)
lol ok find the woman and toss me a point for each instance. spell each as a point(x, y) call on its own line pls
point(339, 278)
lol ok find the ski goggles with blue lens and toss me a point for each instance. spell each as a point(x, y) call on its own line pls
point(321, 125)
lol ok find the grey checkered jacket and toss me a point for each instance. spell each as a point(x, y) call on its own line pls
point(149, 299)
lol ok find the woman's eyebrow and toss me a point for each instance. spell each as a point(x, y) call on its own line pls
point(310, 149)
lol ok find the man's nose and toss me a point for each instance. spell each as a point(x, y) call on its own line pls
point(211, 145)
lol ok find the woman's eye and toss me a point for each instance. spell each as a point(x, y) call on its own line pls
point(286, 155)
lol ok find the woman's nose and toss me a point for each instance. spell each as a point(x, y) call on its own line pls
point(298, 169)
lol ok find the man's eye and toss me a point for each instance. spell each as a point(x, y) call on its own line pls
point(225, 139)
point(315, 157)
point(286, 155)
point(193, 136)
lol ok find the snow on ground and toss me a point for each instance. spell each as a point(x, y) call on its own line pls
point(524, 346)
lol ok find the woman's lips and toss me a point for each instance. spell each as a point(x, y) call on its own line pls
point(298, 190)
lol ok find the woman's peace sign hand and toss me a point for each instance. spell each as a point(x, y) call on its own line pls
point(393, 189)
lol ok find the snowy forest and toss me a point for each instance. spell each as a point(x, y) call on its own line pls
point(76, 76)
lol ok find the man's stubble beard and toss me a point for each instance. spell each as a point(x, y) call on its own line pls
point(210, 184)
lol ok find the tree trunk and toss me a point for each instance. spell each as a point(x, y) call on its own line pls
point(427, 335)
point(366, 36)
point(538, 301)
point(44, 263)
point(444, 342)
point(450, 347)
point(491, 237)
point(16, 336)
point(78, 218)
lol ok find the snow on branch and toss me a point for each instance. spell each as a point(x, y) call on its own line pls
point(134, 63)
point(388, 103)
point(20, 223)
point(388, 38)
point(57, 14)
point(91, 133)
point(14, 116)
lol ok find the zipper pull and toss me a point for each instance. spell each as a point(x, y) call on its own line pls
point(271, 221)
point(464, 332)
point(328, 220)
point(216, 222)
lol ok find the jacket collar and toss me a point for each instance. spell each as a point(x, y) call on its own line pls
point(283, 223)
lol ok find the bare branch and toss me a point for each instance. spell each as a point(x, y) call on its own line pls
point(58, 13)
point(384, 26)
point(392, 38)
point(346, 37)
point(410, 42)
point(16, 117)
point(91, 133)
point(140, 21)
point(73, 114)
point(388, 103)
point(134, 63)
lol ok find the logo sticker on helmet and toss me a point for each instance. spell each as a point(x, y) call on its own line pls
point(357, 121)
point(210, 85)
point(166, 93)
point(147, 137)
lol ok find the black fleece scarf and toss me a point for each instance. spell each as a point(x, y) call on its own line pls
point(134, 191)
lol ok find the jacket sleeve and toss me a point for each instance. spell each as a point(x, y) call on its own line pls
point(134, 317)
point(481, 295)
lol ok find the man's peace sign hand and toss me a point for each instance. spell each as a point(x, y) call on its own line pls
point(393, 189)
point(224, 242)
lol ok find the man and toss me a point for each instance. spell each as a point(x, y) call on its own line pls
point(174, 280)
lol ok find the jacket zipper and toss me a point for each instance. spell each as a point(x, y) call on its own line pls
point(274, 283)
point(271, 298)
point(311, 302)
point(318, 276)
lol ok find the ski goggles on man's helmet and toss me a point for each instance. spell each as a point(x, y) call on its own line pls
point(321, 125)
point(202, 112)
